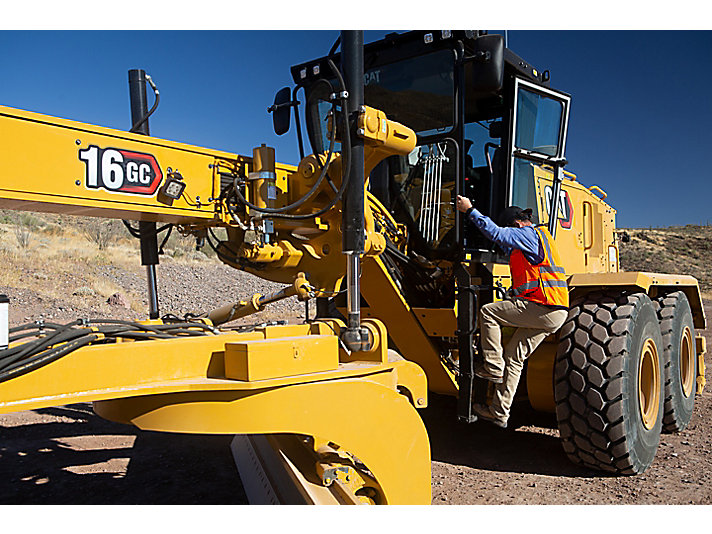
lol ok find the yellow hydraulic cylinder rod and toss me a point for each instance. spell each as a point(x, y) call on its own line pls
point(230, 312)
point(262, 178)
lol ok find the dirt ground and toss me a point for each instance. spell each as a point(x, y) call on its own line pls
point(68, 455)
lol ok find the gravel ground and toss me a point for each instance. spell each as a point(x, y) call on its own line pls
point(193, 287)
point(68, 455)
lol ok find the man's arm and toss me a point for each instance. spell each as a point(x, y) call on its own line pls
point(525, 239)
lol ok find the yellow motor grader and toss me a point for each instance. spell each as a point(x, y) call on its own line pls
point(365, 227)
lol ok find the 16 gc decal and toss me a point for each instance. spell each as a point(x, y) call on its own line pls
point(120, 171)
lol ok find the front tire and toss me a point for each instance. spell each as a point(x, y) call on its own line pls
point(608, 382)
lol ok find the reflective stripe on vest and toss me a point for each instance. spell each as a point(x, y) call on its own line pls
point(534, 284)
point(544, 283)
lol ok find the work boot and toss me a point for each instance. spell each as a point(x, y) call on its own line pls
point(483, 412)
point(481, 372)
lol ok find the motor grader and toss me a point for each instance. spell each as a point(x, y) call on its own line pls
point(365, 228)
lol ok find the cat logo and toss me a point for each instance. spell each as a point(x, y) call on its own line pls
point(566, 210)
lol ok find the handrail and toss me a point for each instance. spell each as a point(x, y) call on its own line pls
point(596, 188)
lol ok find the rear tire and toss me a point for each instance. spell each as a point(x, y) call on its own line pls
point(680, 359)
point(608, 382)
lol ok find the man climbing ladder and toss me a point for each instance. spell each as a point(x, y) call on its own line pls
point(538, 307)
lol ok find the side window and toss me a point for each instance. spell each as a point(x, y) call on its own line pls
point(538, 122)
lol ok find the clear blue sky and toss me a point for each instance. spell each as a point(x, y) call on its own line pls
point(640, 117)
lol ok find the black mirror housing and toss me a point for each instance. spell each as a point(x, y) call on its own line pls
point(281, 111)
point(484, 71)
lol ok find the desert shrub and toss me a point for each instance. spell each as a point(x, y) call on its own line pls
point(645, 237)
point(102, 233)
point(23, 233)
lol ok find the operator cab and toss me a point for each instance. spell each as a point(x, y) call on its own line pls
point(484, 118)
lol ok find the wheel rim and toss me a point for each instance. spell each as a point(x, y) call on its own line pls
point(649, 384)
point(687, 362)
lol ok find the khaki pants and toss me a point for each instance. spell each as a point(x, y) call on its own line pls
point(533, 323)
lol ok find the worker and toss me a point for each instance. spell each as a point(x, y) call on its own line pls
point(538, 305)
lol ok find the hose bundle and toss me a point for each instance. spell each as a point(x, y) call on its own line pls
point(53, 341)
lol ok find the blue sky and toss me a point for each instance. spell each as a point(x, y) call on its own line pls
point(640, 116)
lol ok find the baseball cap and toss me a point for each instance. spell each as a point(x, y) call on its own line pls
point(514, 213)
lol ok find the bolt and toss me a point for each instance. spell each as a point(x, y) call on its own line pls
point(78, 141)
point(78, 182)
point(421, 402)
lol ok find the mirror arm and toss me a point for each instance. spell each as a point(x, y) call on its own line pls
point(275, 107)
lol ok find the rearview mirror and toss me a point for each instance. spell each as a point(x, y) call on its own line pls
point(485, 64)
point(281, 110)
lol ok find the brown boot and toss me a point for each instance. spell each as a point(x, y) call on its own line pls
point(483, 412)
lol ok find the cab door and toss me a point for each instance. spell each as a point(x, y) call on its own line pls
point(537, 140)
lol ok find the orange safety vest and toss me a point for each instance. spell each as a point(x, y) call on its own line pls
point(544, 283)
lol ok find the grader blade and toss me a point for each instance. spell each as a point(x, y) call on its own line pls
point(274, 469)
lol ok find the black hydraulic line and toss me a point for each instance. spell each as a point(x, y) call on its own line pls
point(49, 357)
point(135, 231)
point(165, 240)
point(41, 325)
point(59, 336)
point(64, 339)
point(142, 122)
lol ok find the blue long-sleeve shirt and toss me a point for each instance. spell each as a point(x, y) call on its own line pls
point(525, 239)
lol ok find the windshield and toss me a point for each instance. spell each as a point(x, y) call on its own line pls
point(538, 122)
point(417, 92)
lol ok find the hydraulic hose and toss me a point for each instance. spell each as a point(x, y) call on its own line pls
point(56, 340)
point(346, 146)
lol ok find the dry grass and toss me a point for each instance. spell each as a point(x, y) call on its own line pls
point(674, 250)
point(57, 254)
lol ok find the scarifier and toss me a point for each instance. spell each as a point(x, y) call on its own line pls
point(365, 227)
